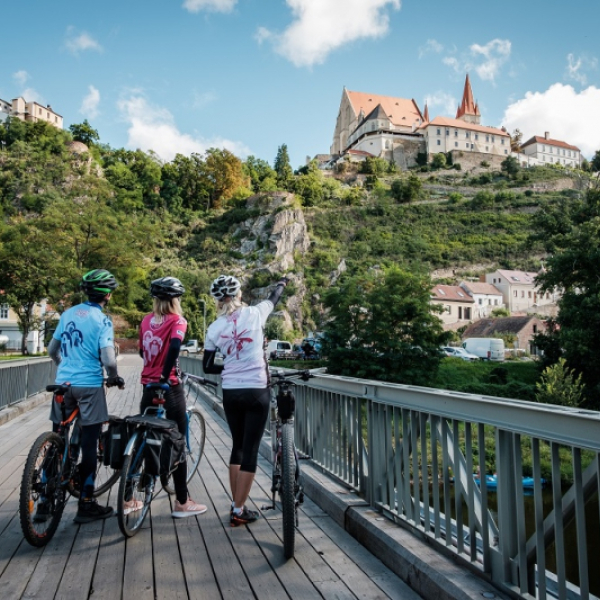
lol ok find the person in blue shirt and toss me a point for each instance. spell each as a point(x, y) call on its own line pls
point(82, 346)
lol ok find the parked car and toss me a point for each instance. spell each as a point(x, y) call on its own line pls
point(191, 347)
point(277, 349)
point(459, 353)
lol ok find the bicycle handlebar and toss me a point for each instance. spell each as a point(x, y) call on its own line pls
point(304, 374)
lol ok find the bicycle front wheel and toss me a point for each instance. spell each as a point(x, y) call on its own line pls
point(42, 499)
point(106, 476)
point(288, 496)
point(194, 447)
point(135, 492)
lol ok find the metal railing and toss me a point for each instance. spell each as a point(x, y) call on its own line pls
point(416, 454)
point(23, 378)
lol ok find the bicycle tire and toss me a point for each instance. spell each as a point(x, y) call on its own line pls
point(134, 485)
point(287, 490)
point(195, 438)
point(106, 476)
point(44, 461)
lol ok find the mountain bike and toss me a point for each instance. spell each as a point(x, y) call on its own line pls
point(286, 477)
point(51, 474)
point(139, 475)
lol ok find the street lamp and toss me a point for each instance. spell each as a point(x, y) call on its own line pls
point(204, 320)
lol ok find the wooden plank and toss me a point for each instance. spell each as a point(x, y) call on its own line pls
point(108, 574)
point(49, 570)
point(169, 579)
point(138, 575)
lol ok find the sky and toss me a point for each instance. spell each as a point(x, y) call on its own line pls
point(183, 76)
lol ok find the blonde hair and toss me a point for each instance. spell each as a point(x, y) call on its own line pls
point(161, 308)
point(229, 305)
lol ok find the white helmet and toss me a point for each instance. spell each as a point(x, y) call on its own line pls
point(225, 286)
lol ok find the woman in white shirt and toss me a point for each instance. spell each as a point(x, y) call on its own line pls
point(238, 333)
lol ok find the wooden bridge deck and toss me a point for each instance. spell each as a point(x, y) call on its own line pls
point(197, 557)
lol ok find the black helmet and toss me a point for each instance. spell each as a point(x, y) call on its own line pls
point(166, 288)
point(225, 286)
point(98, 283)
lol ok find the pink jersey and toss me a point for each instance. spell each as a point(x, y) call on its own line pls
point(155, 337)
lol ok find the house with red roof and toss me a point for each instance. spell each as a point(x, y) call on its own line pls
point(457, 304)
point(546, 150)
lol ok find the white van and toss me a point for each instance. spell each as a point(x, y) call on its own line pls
point(485, 348)
point(279, 349)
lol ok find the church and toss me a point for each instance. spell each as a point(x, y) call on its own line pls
point(396, 129)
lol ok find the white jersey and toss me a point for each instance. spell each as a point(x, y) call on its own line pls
point(240, 338)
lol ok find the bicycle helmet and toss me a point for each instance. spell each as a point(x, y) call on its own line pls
point(166, 288)
point(225, 286)
point(98, 283)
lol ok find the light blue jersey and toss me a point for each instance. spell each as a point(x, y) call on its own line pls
point(83, 331)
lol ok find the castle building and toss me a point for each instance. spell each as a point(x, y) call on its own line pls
point(29, 111)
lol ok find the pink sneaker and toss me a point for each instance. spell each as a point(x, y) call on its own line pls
point(189, 509)
point(132, 506)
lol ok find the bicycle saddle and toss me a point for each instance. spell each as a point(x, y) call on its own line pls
point(60, 389)
point(151, 422)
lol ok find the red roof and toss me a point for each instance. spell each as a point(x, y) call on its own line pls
point(538, 139)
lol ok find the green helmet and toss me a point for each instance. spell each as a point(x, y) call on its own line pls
point(98, 283)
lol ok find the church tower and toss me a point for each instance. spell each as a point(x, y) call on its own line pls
point(468, 111)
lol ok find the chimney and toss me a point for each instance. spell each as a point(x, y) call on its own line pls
point(547, 135)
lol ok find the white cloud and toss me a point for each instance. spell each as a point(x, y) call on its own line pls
point(32, 95)
point(210, 5)
point(321, 26)
point(202, 99)
point(21, 77)
point(432, 46)
point(486, 60)
point(153, 128)
point(77, 43)
point(576, 67)
point(567, 115)
point(89, 106)
point(447, 102)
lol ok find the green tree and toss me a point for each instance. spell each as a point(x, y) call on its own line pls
point(570, 233)
point(84, 132)
point(559, 385)
point(510, 165)
point(438, 161)
point(382, 327)
point(26, 272)
point(406, 189)
point(285, 173)
point(262, 177)
point(222, 175)
point(595, 162)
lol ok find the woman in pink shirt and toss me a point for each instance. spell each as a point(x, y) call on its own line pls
point(161, 334)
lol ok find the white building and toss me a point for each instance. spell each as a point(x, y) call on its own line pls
point(519, 290)
point(457, 304)
point(29, 111)
point(548, 151)
point(486, 297)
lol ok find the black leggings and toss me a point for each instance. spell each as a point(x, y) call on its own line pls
point(246, 411)
point(89, 457)
point(175, 407)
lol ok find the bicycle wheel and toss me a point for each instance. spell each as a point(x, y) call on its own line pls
point(106, 476)
point(288, 481)
point(195, 437)
point(135, 492)
point(42, 499)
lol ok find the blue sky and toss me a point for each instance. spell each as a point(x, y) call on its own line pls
point(250, 75)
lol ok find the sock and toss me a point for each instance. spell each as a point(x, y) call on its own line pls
point(238, 511)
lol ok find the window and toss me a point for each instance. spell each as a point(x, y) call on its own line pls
point(489, 301)
point(447, 132)
point(448, 309)
point(496, 302)
point(439, 142)
point(456, 144)
point(460, 311)
point(476, 136)
point(480, 301)
point(535, 329)
point(4, 311)
point(502, 141)
point(467, 145)
point(439, 131)
point(492, 139)
point(467, 134)
point(487, 138)
point(515, 293)
point(505, 151)
point(456, 133)
point(486, 148)
point(529, 294)
point(522, 293)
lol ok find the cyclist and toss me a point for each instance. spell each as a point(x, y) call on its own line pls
point(238, 332)
point(81, 346)
point(161, 334)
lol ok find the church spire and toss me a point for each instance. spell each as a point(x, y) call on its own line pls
point(426, 114)
point(468, 110)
